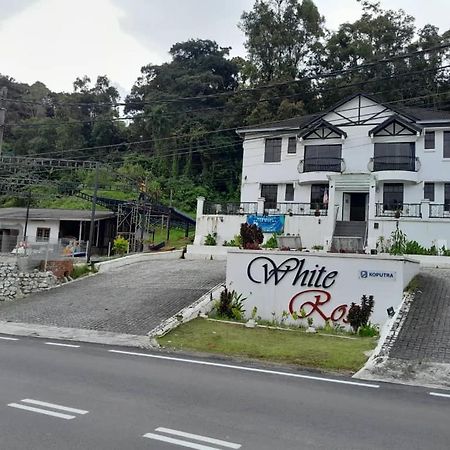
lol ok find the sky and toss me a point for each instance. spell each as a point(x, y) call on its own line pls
point(55, 41)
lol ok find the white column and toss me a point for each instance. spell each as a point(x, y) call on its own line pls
point(425, 209)
point(371, 231)
point(260, 210)
point(328, 238)
point(200, 204)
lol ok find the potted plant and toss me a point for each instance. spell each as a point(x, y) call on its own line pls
point(317, 211)
point(310, 328)
point(251, 323)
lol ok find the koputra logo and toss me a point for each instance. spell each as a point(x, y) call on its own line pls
point(364, 274)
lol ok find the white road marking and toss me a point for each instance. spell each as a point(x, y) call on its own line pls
point(54, 406)
point(41, 411)
point(249, 369)
point(8, 338)
point(62, 345)
point(187, 444)
point(198, 437)
point(438, 394)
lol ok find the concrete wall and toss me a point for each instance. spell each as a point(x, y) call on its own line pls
point(275, 280)
point(32, 227)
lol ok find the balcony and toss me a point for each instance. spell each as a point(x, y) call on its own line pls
point(230, 208)
point(300, 209)
point(398, 210)
point(395, 168)
point(317, 169)
point(440, 211)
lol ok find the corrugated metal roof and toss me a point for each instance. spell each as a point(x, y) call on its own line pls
point(52, 214)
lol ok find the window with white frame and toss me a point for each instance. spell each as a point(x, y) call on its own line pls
point(292, 145)
point(289, 194)
point(447, 196)
point(446, 144)
point(319, 196)
point(272, 151)
point(42, 234)
point(270, 194)
point(392, 196)
point(430, 140)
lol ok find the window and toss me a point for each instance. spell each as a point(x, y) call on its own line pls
point(272, 151)
point(447, 196)
point(289, 194)
point(392, 196)
point(428, 191)
point(319, 196)
point(429, 139)
point(270, 193)
point(395, 156)
point(42, 234)
point(322, 158)
point(446, 144)
point(292, 145)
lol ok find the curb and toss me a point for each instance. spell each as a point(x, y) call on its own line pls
point(202, 306)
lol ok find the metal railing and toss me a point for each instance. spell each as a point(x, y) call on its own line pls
point(321, 164)
point(398, 210)
point(230, 208)
point(440, 211)
point(299, 209)
point(405, 163)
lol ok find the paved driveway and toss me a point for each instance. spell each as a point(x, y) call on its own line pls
point(425, 334)
point(133, 299)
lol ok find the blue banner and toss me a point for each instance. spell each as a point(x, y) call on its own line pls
point(268, 224)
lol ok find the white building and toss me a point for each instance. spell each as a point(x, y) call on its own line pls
point(345, 177)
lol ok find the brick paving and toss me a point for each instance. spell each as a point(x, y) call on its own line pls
point(133, 299)
point(425, 334)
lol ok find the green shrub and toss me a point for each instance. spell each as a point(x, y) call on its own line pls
point(120, 245)
point(230, 305)
point(271, 242)
point(82, 270)
point(369, 330)
point(210, 239)
point(398, 238)
point(235, 242)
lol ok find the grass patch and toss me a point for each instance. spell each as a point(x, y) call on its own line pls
point(295, 347)
point(82, 270)
point(176, 238)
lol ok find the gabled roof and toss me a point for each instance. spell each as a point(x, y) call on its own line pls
point(396, 119)
point(320, 123)
point(414, 114)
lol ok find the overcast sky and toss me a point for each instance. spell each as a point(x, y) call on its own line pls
point(54, 41)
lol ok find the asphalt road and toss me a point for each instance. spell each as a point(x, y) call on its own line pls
point(96, 397)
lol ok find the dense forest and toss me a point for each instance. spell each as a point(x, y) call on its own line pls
point(175, 131)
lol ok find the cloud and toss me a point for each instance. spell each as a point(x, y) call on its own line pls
point(10, 8)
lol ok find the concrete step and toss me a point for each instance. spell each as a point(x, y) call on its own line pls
point(350, 229)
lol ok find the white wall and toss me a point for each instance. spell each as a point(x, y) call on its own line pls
point(32, 227)
point(332, 293)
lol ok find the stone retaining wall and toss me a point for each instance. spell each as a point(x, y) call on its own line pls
point(15, 284)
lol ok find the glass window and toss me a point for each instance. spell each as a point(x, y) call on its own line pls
point(392, 196)
point(270, 193)
point(289, 194)
point(446, 144)
point(325, 158)
point(319, 196)
point(395, 156)
point(292, 145)
point(447, 196)
point(428, 191)
point(42, 234)
point(272, 150)
point(429, 139)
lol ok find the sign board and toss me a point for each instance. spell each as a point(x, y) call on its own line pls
point(268, 224)
point(377, 275)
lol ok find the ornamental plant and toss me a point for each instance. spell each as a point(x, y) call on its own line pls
point(358, 315)
point(251, 237)
point(120, 245)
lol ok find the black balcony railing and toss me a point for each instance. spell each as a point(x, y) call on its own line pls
point(300, 209)
point(405, 163)
point(321, 164)
point(398, 210)
point(440, 211)
point(230, 208)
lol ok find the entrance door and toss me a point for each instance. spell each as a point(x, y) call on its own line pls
point(358, 207)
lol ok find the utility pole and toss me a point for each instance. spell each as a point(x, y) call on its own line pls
point(91, 229)
point(3, 95)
